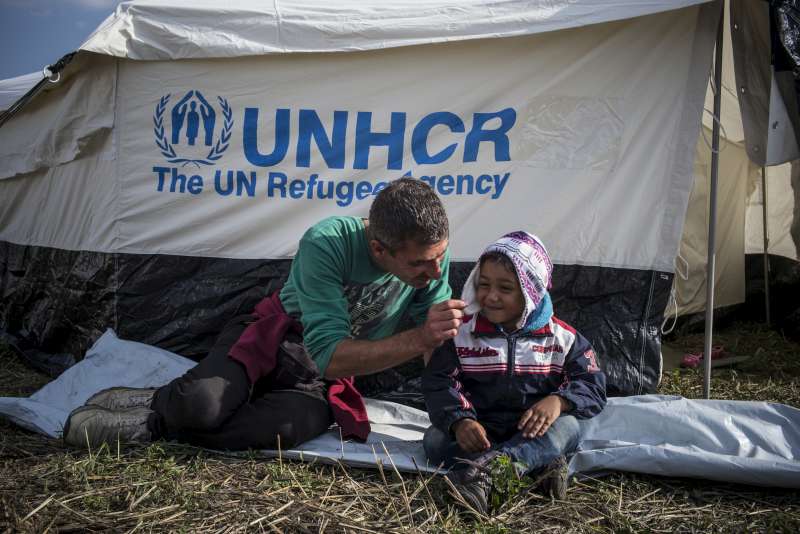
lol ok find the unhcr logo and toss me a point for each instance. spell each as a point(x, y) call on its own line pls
point(192, 124)
point(196, 130)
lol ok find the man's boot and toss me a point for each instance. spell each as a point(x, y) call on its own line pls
point(91, 426)
point(120, 398)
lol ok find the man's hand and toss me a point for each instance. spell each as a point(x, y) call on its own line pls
point(442, 323)
point(357, 357)
point(537, 419)
point(471, 436)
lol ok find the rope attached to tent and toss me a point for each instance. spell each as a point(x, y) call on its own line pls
point(714, 117)
point(49, 72)
point(673, 297)
point(724, 134)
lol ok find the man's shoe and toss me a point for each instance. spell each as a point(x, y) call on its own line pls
point(473, 480)
point(91, 426)
point(556, 479)
point(120, 398)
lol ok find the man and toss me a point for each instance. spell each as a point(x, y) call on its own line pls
point(277, 377)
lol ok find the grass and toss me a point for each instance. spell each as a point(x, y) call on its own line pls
point(772, 373)
point(167, 487)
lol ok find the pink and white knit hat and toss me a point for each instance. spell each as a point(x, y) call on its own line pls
point(533, 266)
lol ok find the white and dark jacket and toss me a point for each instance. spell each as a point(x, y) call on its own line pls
point(493, 377)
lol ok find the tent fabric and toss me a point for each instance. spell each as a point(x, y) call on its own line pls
point(160, 30)
point(582, 131)
point(762, 89)
point(744, 442)
point(61, 125)
point(731, 119)
point(736, 174)
point(740, 199)
point(783, 215)
point(61, 300)
point(592, 125)
point(739, 223)
point(12, 89)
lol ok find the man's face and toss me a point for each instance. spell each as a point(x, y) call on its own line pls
point(414, 264)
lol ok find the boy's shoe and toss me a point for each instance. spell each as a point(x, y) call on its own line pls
point(473, 481)
point(94, 425)
point(120, 398)
point(556, 479)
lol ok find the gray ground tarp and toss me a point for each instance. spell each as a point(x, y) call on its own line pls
point(734, 441)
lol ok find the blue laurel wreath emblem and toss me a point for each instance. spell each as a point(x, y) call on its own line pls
point(167, 149)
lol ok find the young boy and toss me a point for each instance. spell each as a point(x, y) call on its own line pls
point(514, 379)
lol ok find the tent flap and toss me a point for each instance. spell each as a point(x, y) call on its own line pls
point(12, 89)
point(765, 89)
point(61, 124)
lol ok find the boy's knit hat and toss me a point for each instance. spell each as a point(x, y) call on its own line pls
point(533, 266)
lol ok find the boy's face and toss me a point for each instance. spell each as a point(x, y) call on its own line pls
point(499, 295)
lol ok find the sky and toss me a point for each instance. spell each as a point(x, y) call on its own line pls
point(35, 33)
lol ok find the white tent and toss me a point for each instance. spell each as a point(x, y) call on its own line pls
point(188, 142)
point(740, 213)
point(13, 89)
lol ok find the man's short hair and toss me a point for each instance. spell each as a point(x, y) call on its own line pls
point(407, 210)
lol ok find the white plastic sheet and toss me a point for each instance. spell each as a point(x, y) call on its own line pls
point(396, 430)
point(745, 442)
point(754, 443)
point(111, 361)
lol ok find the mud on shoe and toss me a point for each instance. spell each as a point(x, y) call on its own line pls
point(473, 480)
point(556, 479)
point(91, 426)
point(122, 398)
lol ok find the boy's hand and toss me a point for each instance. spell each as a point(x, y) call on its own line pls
point(471, 436)
point(538, 418)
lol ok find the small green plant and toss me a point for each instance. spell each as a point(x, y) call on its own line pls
point(506, 481)
point(96, 503)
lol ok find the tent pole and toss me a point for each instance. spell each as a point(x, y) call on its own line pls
point(766, 242)
point(712, 210)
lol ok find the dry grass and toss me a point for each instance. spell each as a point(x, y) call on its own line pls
point(168, 487)
point(772, 373)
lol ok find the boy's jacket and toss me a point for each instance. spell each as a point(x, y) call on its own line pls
point(493, 377)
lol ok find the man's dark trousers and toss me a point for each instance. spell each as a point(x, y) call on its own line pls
point(214, 404)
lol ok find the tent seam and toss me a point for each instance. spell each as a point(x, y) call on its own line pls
point(117, 189)
point(278, 25)
point(647, 309)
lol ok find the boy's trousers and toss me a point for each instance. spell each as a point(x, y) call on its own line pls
point(532, 453)
point(214, 405)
